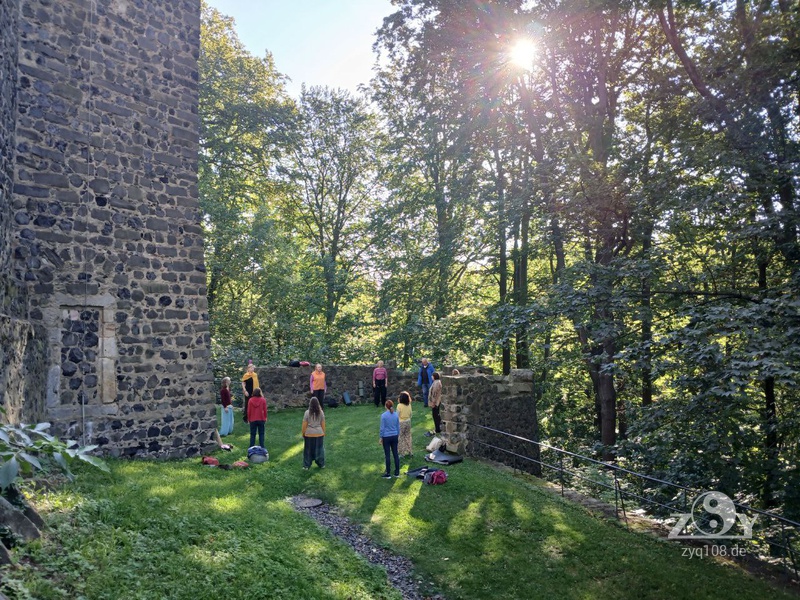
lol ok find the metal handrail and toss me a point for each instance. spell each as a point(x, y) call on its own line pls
point(607, 465)
point(789, 555)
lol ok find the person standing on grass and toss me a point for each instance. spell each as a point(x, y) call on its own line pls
point(404, 415)
point(257, 416)
point(389, 432)
point(318, 384)
point(314, 435)
point(249, 385)
point(227, 408)
point(380, 381)
point(424, 379)
point(435, 401)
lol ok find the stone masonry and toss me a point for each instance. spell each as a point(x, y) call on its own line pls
point(22, 349)
point(102, 238)
point(503, 403)
point(288, 387)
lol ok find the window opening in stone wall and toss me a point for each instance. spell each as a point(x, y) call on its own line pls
point(80, 344)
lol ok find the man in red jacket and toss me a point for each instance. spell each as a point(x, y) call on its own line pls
point(257, 416)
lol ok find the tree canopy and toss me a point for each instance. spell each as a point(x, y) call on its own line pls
point(617, 212)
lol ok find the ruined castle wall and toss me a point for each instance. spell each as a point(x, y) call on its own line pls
point(287, 387)
point(22, 345)
point(9, 31)
point(475, 405)
point(106, 226)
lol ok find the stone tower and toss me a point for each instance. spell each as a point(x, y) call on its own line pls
point(103, 314)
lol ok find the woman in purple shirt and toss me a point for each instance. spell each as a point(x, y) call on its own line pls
point(380, 379)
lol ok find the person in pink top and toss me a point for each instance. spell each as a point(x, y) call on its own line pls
point(380, 381)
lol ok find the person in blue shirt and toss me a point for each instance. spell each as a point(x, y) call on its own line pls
point(389, 434)
point(425, 379)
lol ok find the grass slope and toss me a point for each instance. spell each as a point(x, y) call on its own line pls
point(158, 530)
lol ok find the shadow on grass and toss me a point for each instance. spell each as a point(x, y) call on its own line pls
point(180, 530)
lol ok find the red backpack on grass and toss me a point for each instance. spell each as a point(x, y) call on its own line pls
point(435, 477)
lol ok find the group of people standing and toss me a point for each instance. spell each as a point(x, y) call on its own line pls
point(395, 427)
point(395, 424)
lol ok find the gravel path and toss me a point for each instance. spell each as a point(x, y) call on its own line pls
point(398, 568)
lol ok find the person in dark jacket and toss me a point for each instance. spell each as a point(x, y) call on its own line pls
point(425, 379)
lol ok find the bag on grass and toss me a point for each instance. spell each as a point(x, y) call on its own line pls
point(210, 461)
point(435, 477)
point(443, 458)
point(257, 454)
point(419, 472)
point(435, 444)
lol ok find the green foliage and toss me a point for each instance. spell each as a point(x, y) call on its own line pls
point(332, 188)
point(620, 216)
point(27, 449)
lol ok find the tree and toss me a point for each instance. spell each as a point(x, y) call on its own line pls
point(331, 171)
point(244, 119)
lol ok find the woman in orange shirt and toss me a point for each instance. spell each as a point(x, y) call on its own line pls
point(318, 384)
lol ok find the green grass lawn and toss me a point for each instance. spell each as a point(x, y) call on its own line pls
point(180, 530)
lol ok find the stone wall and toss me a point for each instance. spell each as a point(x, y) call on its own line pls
point(472, 402)
point(106, 229)
point(286, 387)
point(22, 347)
point(9, 30)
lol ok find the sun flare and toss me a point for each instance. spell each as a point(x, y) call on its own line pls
point(522, 53)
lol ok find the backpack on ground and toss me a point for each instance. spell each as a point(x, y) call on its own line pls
point(435, 477)
point(257, 454)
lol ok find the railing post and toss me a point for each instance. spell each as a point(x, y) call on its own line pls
point(561, 471)
point(618, 492)
point(788, 545)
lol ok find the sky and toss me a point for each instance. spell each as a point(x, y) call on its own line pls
point(316, 42)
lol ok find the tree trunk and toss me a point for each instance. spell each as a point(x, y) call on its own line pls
point(521, 286)
point(647, 323)
point(607, 398)
point(501, 246)
point(444, 253)
point(769, 417)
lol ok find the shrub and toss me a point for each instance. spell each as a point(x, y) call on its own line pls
point(25, 449)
